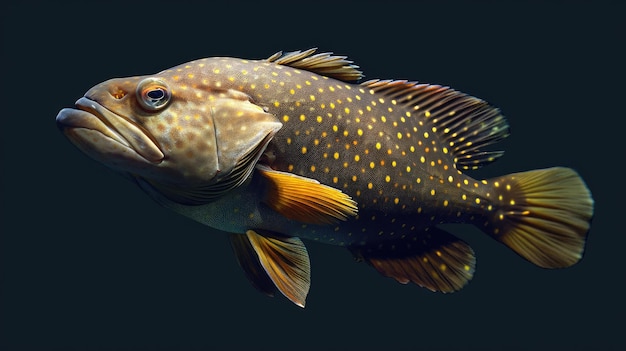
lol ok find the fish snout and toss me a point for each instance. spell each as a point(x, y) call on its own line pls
point(105, 135)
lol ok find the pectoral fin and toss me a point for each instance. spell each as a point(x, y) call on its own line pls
point(304, 199)
point(271, 261)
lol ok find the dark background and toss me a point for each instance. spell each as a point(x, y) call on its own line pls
point(90, 262)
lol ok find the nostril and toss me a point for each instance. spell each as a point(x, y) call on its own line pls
point(118, 93)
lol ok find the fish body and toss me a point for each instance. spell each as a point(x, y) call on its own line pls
point(292, 147)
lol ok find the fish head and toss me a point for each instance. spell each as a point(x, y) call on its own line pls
point(192, 143)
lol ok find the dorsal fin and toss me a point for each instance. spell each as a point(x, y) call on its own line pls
point(465, 124)
point(324, 63)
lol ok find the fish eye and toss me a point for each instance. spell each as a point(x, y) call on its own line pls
point(153, 94)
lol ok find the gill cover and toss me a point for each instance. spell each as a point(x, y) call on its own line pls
point(242, 132)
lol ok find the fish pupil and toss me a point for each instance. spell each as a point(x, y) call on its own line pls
point(155, 95)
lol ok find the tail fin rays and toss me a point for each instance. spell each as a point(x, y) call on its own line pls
point(544, 215)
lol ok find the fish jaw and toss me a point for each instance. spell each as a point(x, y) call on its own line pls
point(107, 137)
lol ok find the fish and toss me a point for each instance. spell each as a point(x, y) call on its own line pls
point(298, 147)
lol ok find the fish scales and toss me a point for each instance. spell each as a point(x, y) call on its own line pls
point(293, 147)
point(383, 154)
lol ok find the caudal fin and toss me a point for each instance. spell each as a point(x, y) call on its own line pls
point(543, 215)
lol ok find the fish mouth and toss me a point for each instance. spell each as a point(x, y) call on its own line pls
point(100, 132)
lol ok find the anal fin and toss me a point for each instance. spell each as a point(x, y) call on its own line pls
point(271, 261)
point(305, 199)
point(433, 259)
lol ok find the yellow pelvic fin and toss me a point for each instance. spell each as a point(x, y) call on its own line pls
point(304, 199)
point(544, 215)
point(436, 260)
point(286, 262)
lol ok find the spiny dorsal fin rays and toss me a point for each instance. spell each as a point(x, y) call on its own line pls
point(325, 63)
point(464, 123)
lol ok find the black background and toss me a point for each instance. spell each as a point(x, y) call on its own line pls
point(90, 262)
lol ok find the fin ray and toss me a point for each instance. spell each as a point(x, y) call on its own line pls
point(249, 262)
point(325, 64)
point(305, 199)
point(436, 260)
point(464, 123)
point(286, 262)
point(545, 215)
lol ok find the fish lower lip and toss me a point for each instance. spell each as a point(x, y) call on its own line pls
point(90, 115)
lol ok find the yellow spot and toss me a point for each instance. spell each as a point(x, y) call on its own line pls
point(396, 201)
point(496, 184)
point(370, 185)
point(387, 179)
point(378, 146)
point(304, 150)
point(393, 163)
point(512, 202)
point(290, 168)
point(346, 110)
point(312, 168)
point(432, 192)
point(357, 158)
point(450, 179)
point(464, 197)
point(285, 118)
point(319, 119)
point(359, 131)
point(399, 135)
point(291, 91)
point(336, 155)
point(332, 105)
point(427, 113)
point(422, 159)
point(335, 180)
point(345, 133)
point(312, 97)
point(508, 187)
point(288, 141)
point(477, 201)
point(426, 135)
point(335, 128)
point(445, 202)
point(302, 118)
point(331, 88)
point(408, 169)
point(372, 165)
